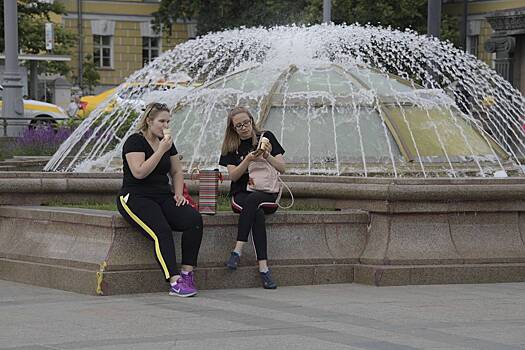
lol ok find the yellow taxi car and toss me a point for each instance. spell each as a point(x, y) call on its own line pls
point(121, 95)
point(89, 103)
point(35, 112)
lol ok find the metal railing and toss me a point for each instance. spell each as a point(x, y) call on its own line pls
point(19, 122)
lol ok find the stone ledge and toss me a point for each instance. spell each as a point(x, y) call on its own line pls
point(112, 218)
point(85, 281)
point(445, 238)
point(370, 194)
point(66, 248)
point(380, 275)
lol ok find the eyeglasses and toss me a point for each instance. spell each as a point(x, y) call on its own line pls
point(245, 124)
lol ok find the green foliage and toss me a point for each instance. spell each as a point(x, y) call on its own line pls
point(32, 16)
point(215, 15)
point(90, 75)
point(5, 152)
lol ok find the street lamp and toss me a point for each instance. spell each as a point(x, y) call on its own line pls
point(434, 18)
point(13, 105)
point(464, 30)
point(327, 11)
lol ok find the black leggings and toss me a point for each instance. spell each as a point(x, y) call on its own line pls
point(252, 218)
point(155, 216)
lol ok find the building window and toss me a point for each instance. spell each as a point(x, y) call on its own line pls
point(103, 51)
point(150, 49)
point(472, 44)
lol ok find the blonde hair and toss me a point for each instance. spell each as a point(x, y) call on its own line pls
point(232, 141)
point(150, 112)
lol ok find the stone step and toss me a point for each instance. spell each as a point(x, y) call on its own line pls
point(97, 252)
point(7, 167)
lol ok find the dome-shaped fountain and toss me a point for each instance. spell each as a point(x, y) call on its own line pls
point(341, 99)
point(333, 120)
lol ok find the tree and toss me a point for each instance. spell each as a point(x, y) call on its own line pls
point(32, 16)
point(90, 75)
point(398, 14)
point(215, 15)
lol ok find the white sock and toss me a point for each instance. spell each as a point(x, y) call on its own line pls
point(237, 252)
point(174, 283)
point(264, 269)
point(185, 272)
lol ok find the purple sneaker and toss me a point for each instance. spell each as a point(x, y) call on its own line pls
point(189, 280)
point(182, 289)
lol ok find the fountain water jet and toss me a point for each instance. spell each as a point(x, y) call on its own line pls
point(344, 99)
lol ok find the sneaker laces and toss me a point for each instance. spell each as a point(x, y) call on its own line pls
point(188, 279)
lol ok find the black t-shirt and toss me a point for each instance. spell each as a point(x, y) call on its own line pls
point(157, 181)
point(235, 158)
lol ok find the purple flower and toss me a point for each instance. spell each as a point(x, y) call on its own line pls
point(40, 140)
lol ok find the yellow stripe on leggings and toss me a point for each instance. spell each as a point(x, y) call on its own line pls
point(150, 232)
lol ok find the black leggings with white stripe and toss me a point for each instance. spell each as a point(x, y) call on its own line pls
point(156, 216)
point(252, 210)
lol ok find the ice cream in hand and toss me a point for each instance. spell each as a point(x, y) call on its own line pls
point(166, 132)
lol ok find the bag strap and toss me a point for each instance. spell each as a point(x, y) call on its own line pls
point(281, 192)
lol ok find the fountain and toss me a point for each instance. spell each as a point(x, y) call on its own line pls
point(416, 147)
point(343, 100)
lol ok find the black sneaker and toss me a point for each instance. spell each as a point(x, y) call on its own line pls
point(233, 261)
point(267, 280)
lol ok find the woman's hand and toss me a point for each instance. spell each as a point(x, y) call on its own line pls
point(267, 149)
point(165, 144)
point(180, 200)
point(250, 157)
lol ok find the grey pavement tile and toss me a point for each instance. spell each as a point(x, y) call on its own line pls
point(171, 345)
point(288, 342)
point(32, 347)
point(512, 335)
point(347, 316)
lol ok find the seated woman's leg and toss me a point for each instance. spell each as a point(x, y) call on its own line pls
point(188, 220)
point(146, 215)
point(252, 219)
point(250, 201)
point(259, 236)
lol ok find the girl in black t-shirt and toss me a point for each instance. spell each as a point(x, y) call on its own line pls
point(147, 201)
point(240, 141)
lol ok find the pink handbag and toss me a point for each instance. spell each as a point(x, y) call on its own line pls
point(263, 176)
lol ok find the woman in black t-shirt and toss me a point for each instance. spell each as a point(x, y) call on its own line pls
point(147, 201)
point(240, 141)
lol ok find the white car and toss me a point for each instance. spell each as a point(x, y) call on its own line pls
point(35, 112)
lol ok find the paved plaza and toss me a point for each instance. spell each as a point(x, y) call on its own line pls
point(343, 316)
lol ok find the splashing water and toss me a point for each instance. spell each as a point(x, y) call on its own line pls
point(341, 99)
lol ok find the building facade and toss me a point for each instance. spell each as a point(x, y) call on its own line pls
point(119, 37)
point(495, 33)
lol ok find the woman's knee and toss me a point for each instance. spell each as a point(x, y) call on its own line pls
point(252, 201)
point(162, 232)
point(259, 215)
point(195, 218)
